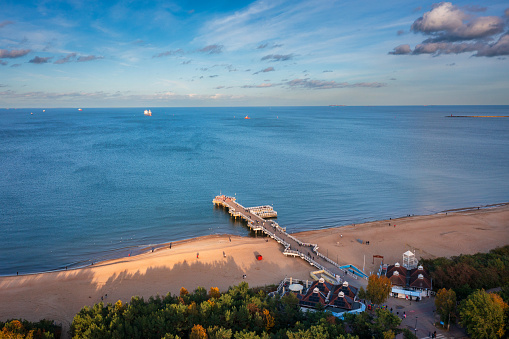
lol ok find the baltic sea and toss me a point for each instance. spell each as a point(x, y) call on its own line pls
point(81, 186)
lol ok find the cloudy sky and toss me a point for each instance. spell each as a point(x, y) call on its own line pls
point(76, 53)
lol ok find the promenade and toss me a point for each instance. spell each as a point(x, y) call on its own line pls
point(254, 216)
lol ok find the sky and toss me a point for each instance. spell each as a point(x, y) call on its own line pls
point(194, 53)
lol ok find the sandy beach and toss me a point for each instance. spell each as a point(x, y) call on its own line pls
point(60, 295)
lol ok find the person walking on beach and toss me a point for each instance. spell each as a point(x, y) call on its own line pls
point(197, 255)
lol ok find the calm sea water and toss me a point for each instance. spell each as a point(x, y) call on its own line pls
point(81, 186)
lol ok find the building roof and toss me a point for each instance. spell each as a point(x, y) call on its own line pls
point(416, 278)
point(397, 279)
point(341, 300)
point(312, 297)
point(419, 278)
point(323, 286)
point(347, 289)
point(337, 296)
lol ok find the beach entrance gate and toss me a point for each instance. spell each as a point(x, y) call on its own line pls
point(378, 256)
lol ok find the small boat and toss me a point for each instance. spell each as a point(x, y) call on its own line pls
point(247, 117)
point(79, 109)
point(148, 112)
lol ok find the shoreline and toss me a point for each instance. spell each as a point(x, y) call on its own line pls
point(223, 261)
point(443, 234)
point(142, 249)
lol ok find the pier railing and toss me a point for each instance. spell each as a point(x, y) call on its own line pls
point(304, 283)
point(327, 259)
point(236, 210)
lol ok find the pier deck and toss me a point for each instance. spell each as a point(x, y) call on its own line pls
point(255, 218)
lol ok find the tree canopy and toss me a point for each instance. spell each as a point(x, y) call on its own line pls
point(467, 273)
point(17, 329)
point(240, 313)
point(482, 315)
point(378, 289)
point(445, 302)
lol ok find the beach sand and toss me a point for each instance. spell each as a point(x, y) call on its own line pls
point(60, 295)
point(429, 236)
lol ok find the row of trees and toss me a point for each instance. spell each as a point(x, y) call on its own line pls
point(461, 295)
point(17, 329)
point(482, 314)
point(239, 313)
point(466, 273)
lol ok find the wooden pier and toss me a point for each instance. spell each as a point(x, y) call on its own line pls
point(256, 221)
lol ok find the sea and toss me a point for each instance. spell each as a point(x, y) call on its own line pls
point(77, 187)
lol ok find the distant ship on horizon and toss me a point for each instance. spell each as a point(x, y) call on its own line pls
point(148, 112)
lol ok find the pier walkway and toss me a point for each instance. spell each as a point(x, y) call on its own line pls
point(255, 218)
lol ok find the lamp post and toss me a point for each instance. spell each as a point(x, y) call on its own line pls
point(415, 329)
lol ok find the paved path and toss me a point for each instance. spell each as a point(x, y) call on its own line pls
point(423, 314)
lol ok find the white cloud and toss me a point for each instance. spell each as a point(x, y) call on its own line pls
point(452, 31)
point(443, 17)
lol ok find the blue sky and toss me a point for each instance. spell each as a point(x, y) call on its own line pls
point(79, 53)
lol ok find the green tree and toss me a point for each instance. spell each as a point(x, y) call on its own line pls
point(170, 336)
point(219, 333)
point(250, 335)
point(482, 316)
point(445, 302)
point(378, 289)
point(290, 312)
point(360, 324)
point(384, 323)
point(199, 295)
point(407, 334)
point(362, 293)
point(314, 332)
